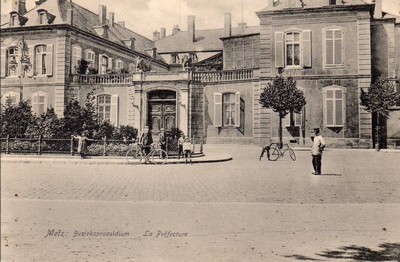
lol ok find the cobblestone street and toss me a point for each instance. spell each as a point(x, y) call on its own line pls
point(241, 210)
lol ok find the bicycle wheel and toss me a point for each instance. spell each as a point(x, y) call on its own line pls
point(292, 154)
point(158, 156)
point(133, 156)
point(274, 154)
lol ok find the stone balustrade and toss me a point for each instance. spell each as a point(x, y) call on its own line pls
point(206, 76)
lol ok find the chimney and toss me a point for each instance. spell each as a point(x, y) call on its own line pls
point(191, 28)
point(163, 32)
point(133, 43)
point(111, 19)
point(102, 14)
point(70, 16)
point(378, 9)
point(122, 23)
point(175, 29)
point(228, 25)
point(156, 35)
point(19, 6)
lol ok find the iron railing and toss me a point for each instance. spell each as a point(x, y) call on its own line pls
point(102, 147)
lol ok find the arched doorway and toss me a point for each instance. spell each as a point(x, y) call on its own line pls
point(161, 110)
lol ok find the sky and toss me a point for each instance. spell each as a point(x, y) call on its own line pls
point(146, 16)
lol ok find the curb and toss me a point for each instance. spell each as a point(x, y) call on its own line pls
point(209, 158)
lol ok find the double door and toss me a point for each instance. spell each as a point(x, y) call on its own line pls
point(161, 114)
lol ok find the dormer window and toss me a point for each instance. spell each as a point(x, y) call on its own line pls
point(14, 20)
point(42, 18)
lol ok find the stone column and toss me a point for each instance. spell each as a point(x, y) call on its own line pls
point(137, 108)
point(183, 104)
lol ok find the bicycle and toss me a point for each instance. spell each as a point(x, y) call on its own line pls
point(274, 152)
point(156, 155)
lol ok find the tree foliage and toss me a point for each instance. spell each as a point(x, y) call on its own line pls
point(15, 119)
point(46, 125)
point(380, 97)
point(283, 97)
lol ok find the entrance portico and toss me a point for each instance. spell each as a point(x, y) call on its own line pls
point(162, 106)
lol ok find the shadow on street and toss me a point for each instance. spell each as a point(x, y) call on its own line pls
point(387, 252)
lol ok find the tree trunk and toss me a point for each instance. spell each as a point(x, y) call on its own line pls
point(377, 136)
point(280, 132)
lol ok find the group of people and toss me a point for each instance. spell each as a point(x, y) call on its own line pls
point(184, 144)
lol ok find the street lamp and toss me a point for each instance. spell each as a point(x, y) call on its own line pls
point(24, 61)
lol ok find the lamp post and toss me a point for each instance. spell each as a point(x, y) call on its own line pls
point(24, 62)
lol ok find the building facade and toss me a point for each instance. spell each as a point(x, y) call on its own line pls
point(208, 82)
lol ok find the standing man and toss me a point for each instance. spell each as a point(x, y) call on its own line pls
point(146, 139)
point(163, 141)
point(316, 151)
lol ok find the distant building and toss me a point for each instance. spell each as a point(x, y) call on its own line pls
point(208, 82)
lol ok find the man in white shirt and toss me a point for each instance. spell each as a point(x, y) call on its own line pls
point(316, 151)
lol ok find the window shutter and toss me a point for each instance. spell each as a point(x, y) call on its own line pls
point(324, 107)
point(279, 50)
point(114, 110)
point(344, 108)
point(306, 43)
point(35, 103)
point(31, 70)
point(98, 63)
point(49, 60)
point(110, 63)
point(217, 109)
point(237, 109)
point(3, 61)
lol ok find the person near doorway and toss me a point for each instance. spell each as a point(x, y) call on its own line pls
point(146, 139)
point(163, 141)
point(187, 150)
point(316, 150)
point(181, 139)
point(82, 143)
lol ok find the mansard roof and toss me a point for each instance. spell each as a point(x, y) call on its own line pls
point(205, 40)
point(285, 4)
point(83, 19)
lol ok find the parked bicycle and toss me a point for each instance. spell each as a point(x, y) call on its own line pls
point(156, 155)
point(274, 152)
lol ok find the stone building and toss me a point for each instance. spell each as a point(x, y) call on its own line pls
point(208, 82)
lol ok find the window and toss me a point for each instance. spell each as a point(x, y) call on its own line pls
point(104, 64)
point(292, 41)
point(14, 20)
point(39, 102)
point(12, 61)
point(10, 97)
point(132, 67)
point(175, 59)
point(119, 64)
point(334, 106)
point(227, 109)
point(40, 60)
point(293, 49)
point(42, 18)
point(333, 48)
point(398, 94)
point(104, 107)
point(293, 119)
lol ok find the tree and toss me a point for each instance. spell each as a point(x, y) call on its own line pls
point(15, 119)
point(378, 100)
point(283, 97)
